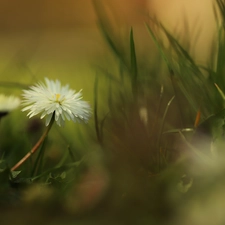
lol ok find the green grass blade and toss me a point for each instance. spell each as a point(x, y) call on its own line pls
point(164, 118)
point(96, 120)
point(221, 6)
point(106, 28)
point(180, 50)
point(133, 61)
point(39, 160)
point(159, 45)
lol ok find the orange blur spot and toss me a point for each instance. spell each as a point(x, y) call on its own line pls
point(197, 118)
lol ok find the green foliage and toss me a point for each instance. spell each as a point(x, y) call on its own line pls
point(145, 129)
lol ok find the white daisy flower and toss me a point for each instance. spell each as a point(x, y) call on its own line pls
point(52, 98)
point(8, 103)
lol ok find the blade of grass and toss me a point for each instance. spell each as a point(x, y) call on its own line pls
point(159, 46)
point(112, 45)
point(221, 6)
point(105, 25)
point(220, 91)
point(157, 111)
point(96, 120)
point(133, 62)
point(219, 74)
point(172, 131)
point(71, 154)
point(180, 50)
point(163, 120)
point(63, 159)
point(61, 168)
point(103, 72)
point(161, 131)
point(170, 67)
point(14, 85)
point(39, 159)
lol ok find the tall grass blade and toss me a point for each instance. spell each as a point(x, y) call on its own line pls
point(159, 46)
point(133, 62)
point(181, 51)
point(106, 28)
point(221, 5)
point(39, 160)
point(161, 131)
point(164, 119)
point(96, 120)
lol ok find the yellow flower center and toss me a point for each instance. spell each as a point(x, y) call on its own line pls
point(57, 97)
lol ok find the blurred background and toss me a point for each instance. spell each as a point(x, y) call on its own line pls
point(46, 30)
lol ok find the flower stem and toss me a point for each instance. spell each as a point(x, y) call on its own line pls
point(35, 148)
